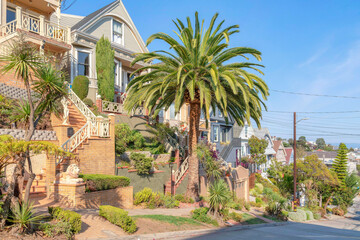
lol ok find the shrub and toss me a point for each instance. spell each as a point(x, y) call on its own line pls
point(259, 188)
point(236, 216)
point(88, 102)
point(220, 195)
point(143, 164)
point(317, 216)
point(53, 230)
point(80, 86)
point(200, 214)
point(170, 202)
point(156, 200)
point(338, 211)
point(183, 199)
point(118, 217)
point(23, 216)
point(143, 196)
point(255, 204)
point(258, 200)
point(98, 182)
point(309, 215)
point(299, 216)
point(71, 217)
point(247, 206)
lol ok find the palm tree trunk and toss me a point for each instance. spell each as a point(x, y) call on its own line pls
point(194, 122)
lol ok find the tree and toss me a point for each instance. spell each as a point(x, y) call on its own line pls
point(340, 163)
point(320, 142)
point(300, 152)
point(105, 69)
point(291, 142)
point(80, 86)
point(351, 149)
point(257, 149)
point(197, 73)
point(12, 152)
point(25, 61)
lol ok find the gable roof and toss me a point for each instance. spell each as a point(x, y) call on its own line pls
point(288, 154)
point(277, 144)
point(88, 18)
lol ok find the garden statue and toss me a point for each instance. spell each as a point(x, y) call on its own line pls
point(71, 176)
point(65, 104)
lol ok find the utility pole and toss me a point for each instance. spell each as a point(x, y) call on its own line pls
point(294, 202)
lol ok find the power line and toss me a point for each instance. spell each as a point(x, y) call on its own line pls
point(355, 111)
point(314, 95)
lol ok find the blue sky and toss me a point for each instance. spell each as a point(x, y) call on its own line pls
point(307, 46)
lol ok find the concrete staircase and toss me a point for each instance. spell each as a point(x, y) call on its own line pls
point(76, 119)
point(38, 186)
point(168, 183)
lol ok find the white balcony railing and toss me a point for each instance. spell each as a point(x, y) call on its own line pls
point(36, 24)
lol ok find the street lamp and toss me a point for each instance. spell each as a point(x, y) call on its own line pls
point(295, 122)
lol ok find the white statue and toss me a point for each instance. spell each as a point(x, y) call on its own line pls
point(65, 104)
point(71, 176)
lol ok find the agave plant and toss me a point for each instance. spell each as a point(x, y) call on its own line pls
point(220, 196)
point(23, 216)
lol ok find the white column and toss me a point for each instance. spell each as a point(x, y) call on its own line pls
point(42, 25)
point(18, 18)
point(68, 35)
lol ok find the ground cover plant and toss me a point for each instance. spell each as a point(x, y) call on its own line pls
point(170, 219)
point(152, 199)
point(201, 214)
point(67, 216)
point(99, 182)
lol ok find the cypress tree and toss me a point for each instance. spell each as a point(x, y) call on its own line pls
point(105, 69)
point(340, 163)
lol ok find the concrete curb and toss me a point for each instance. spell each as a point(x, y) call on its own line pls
point(195, 233)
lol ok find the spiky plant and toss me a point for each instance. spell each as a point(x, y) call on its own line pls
point(220, 196)
point(340, 163)
point(23, 216)
point(201, 72)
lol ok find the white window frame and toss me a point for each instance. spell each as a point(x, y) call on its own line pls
point(122, 34)
point(118, 66)
point(77, 50)
point(216, 133)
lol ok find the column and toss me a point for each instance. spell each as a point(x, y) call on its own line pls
point(42, 25)
point(18, 18)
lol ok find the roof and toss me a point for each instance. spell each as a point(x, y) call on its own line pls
point(288, 154)
point(86, 19)
point(323, 154)
point(68, 20)
point(277, 144)
point(260, 133)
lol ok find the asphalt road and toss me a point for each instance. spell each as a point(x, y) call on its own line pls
point(335, 229)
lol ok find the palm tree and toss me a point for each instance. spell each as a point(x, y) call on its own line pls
point(47, 83)
point(197, 72)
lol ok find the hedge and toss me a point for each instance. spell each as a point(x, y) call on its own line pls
point(309, 215)
point(71, 217)
point(80, 86)
point(118, 217)
point(98, 182)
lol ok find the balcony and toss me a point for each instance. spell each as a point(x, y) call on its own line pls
point(36, 26)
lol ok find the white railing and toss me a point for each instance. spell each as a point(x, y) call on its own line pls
point(112, 107)
point(182, 170)
point(79, 137)
point(30, 23)
point(55, 32)
point(8, 29)
point(36, 24)
point(140, 111)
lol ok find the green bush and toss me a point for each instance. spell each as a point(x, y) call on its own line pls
point(200, 214)
point(247, 206)
point(259, 200)
point(80, 86)
point(143, 196)
point(71, 217)
point(143, 164)
point(156, 200)
point(88, 102)
point(170, 202)
point(118, 217)
point(54, 229)
point(237, 217)
point(299, 216)
point(98, 182)
point(259, 188)
point(183, 199)
point(309, 215)
point(317, 216)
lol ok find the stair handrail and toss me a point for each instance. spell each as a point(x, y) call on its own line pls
point(89, 115)
point(75, 140)
point(182, 170)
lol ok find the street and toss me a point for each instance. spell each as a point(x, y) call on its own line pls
point(337, 228)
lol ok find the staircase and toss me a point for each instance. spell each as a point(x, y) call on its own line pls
point(76, 119)
point(178, 176)
point(38, 186)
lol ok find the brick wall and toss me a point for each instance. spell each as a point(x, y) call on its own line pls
point(74, 195)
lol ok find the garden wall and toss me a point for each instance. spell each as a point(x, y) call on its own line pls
point(74, 195)
point(155, 181)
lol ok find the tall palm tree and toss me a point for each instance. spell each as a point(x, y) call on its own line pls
point(199, 71)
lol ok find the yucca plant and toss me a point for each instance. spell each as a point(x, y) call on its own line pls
point(23, 216)
point(220, 196)
point(201, 72)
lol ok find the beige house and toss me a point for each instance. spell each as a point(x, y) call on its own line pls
point(114, 22)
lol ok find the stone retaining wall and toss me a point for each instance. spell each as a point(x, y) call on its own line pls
point(39, 135)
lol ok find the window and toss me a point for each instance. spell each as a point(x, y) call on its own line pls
point(117, 32)
point(216, 134)
point(224, 137)
point(246, 131)
point(220, 113)
point(10, 15)
point(172, 111)
point(83, 64)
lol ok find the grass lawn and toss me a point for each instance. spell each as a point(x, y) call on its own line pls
point(249, 219)
point(275, 219)
point(170, 219)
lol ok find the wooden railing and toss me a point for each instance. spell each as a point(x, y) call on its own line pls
point(30, 23)
point(8, 29)
point(182, 170)
point(55, 32)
